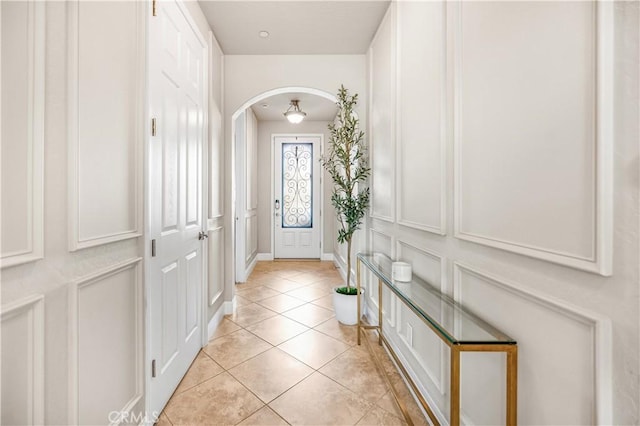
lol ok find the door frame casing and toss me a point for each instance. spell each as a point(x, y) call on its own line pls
point(274, 136)
point(148, 418)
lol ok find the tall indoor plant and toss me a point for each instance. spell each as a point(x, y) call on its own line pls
point(346, 163)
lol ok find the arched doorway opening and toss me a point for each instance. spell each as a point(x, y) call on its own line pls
point(244, 165)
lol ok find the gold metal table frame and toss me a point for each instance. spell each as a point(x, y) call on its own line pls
point(499, 343)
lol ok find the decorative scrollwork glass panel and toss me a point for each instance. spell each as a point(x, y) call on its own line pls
point(297, 186)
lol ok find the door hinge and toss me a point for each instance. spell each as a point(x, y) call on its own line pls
point(153, 127)
point(153, 368)
point(153, 248)
point(154, 12)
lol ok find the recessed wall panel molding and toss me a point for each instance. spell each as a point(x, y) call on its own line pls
point(381, 242)
point(104, 308)
point(105, 129)
point(22, 124)
point(251, 161)
point(23, 361)
point(565, 371)
point(421, 135)
point(533, 129)
point(381, 119)
point(424, 345)
point(425, 263)
point(216, 173)
point(251, 244)
point(216, 265)
point(423, 349)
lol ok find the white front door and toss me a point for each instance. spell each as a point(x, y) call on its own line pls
point(177, 102)
point(296, 206)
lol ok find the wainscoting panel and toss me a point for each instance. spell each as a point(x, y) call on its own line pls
point(216, 265)
point(216, 163)
point(22, 168)
point(421, 116)
point(251, 161)
point(251, 235)
point(106, 89)
point(426, 352)
point(540, 187)
point(106, 337)
point(426, 264)
point(23, 362)
point(381, 243)
point(564, 372)
point(381, 135)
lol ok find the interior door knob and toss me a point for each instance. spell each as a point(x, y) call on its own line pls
point(202, 235)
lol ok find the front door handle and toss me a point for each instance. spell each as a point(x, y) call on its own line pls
point(202, 235)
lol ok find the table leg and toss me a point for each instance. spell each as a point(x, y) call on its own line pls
point(512, 386)
point(380, 312)
point(358, 298)
point(454, 415)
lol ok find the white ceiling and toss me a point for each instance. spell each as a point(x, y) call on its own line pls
point(316, 107)
point(295, 27)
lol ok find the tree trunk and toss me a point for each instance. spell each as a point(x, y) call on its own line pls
point(349, 263)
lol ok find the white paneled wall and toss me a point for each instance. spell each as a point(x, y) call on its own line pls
point(216, 223)
point(500, 117)
point(216, 265)
point(72, 213)
point(22, 169)
point(105, 121)
point(560, 78)
point(422, 154)
point(251, 187)
point(106, 307)
point(22, 328)
point(246, 184)
point(381, 140)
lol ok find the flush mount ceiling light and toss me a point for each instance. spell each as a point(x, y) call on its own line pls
point(294, 114)
point(263, 34)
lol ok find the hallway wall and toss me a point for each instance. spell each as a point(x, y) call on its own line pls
point(63, 310)
point(246, 171)
point(265, 182)
point(497, 132)
point(72, 202)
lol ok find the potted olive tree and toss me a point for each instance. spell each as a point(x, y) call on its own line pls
point(346, 163)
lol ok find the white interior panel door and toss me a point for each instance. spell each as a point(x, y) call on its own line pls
point(177, 103)
point(296, 207)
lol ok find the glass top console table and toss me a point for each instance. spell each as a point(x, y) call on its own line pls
point(460, 329)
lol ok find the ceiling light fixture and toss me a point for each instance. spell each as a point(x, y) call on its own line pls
point(294, 114)
point(263, 34)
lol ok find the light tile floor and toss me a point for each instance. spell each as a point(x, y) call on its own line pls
point(282, 358)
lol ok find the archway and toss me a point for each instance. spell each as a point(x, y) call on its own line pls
point(238, 229)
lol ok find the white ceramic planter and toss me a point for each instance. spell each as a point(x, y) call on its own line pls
point(346, 307)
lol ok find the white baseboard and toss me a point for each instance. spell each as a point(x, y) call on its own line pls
point(327, 257)
point(230, 306)
point(216, 319)
point(251, 266)
point(262, 257)
point(248, 270)
point(226, 308)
